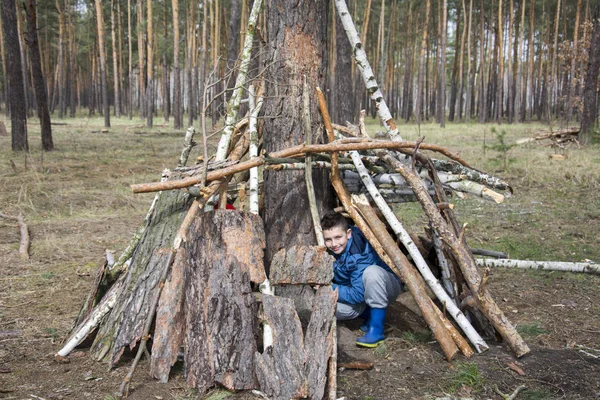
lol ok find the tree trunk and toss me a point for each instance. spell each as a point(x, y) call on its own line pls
point(141, 66)
point(101, 49)
point(166, 88)
point(530, 52)
point(177, 108)
point(297, 35)
point(590, 93)
point(500, 82)
point(441, 100)
point(342, 91)
point(572, 82)
point(419, 100)
point(150, 62)
point(469, 90)
point(115, 60)
point(130, 67)
point(18, 112)
point(457, 50)
point(38, 77)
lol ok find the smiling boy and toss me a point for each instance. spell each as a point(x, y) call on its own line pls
point(365, 284)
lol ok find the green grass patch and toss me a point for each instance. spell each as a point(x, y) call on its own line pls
point(465, 378)
point(47, 275)
point(531, 330)
point(415, 338)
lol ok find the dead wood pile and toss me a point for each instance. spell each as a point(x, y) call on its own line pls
point(554, 138)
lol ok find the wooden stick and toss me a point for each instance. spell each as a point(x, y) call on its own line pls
point(465, 260)
point(364, 144)
point(312, 199)
point(24, 245)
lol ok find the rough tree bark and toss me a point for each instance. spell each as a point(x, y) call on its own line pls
point(18, 112)
point(38, 77)
point(297, 35)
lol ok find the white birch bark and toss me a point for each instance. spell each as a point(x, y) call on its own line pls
point(417, 257)
point(236, 97)
point(255, 106)
point(585, 267)
point(188, 143)
point(365, 69)
point(460, 184)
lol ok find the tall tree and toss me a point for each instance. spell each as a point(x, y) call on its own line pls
point(590, 93)
point(342, 91)
point(102, 52)
point(441, 101)
point(18, 112)
point(297, 36)
point(177, 107)
point(150, 57)
point(419, 90)
point(115, 59)
point(38, 77)
point(130, 66)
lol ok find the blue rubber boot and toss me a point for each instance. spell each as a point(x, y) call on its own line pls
point(366, 315)
point(374, 335)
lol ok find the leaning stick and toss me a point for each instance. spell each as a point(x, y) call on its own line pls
point(365, 69)
point(24, 245)
point(417, 257)
point(400, 266)
point(255, 107)
point(363, 144)
point(587, 267)
point(465, 260)
point(312, 199)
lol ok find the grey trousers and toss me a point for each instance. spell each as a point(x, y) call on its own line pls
point(381, 289)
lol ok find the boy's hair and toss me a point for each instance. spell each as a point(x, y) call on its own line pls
point(334, 220)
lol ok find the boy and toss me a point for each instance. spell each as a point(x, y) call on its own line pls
point(365, 284)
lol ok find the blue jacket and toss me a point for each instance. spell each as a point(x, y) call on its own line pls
point(349, 266)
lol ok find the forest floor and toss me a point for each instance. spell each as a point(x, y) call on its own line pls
point(77, 203)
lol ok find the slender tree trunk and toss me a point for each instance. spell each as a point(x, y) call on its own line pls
point(572, 81)
point(530, 53)
point(177, 108)
point(166, 86)
point(345, 106)
point(141, 65)
point(500, 81)
point(468, 94)
point(590, 94)
point(101, 50)
point(441, 100)
point(188, 61)
point(38, 77)
point(519, 110)
point(150, 53)
point(455, 69)
point(4, 69)
point(115, 60)
point(554, 73)
point(130, 66)
point(18, 112)
point(419, 100)
point(509, 65)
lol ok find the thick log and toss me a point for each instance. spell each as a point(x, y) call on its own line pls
point(310, 265)
point(587, 267)
point(281, 368)
point(318, 341)
point(220, 308)
point(123, 326)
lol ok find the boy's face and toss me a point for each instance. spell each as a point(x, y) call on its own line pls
point(336, 239)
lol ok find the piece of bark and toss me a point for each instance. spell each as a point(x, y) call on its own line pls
point(123, 326)
point(281, 368)
point(318, 341)
point(220, 308)
point(310, 265)
point(358, 365)
point(170, 321)
point(303, 297)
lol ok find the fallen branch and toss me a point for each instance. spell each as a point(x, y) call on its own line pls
point(24, 246)
point(586, 267)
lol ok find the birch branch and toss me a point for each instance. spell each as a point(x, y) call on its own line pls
point(188, 143)
point(236, 97)
point(417, 257)
point(255, 106)
point(584, 267)
point(365, 69)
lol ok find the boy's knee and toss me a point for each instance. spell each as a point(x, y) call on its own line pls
point(373, 274)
